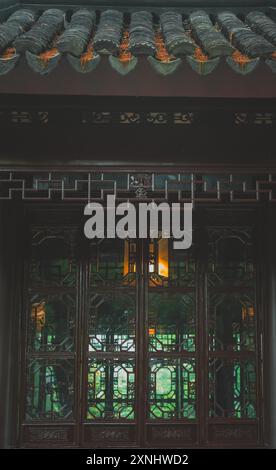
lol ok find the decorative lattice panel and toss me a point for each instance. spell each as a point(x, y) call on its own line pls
point(133, 186)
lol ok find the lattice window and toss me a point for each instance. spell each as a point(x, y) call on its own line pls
point(129, 335)
point(131, 186)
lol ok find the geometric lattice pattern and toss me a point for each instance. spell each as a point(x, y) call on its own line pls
point(111, 323)
point(92, 311)
point(111, 393)
point(50, 389)
point(232, 385)
point(52, 309)
point(175, 187)
point(172, 388)
point(232, 324)
point(172, 322)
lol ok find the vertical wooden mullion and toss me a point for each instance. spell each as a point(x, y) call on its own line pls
point(78, 352)
point(83, 348)
point(145, 333)
point(141, 364)
point(23, 327)
point(259, 301)
point(202, 344)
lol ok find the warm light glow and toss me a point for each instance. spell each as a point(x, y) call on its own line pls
point(151, 331)
point(251, 312)
point(126, 258)
point(248, 312)
point(162, 260)
point(129, 265)
point(163, 257)
point(163, 269)
point(39, 315)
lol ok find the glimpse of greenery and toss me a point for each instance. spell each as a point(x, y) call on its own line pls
point(173, 389)
point(115, 397)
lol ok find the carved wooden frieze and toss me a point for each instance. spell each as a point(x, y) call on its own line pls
point(44, 435)
point(173, 434)
point(233, 433)
point(109, 434)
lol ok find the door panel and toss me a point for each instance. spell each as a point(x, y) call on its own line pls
point(171, 344)
point(130, 343)
point(112, 349)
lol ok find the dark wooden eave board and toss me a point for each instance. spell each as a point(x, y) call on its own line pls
point(223, 83)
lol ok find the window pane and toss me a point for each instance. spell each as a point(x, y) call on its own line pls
point(52, 260)
point(111, 393)
point(232, 388)
point(172, 388)
point(52, 322)
point(232, 322)
point(112, 322)
point(169, 267)
point(230, 258)
point(113, 262)
point(50, 389)
point(172, 325)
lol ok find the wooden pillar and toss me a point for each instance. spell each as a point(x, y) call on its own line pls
point(9, 322)
point(4, 335)
point(270, 331)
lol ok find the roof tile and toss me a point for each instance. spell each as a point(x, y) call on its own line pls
point(166, 39)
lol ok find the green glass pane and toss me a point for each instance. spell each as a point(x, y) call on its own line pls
point(232, 322)
point(232, 389)
point(52, 322)
point(112, 262)
point(231, 259)
point(182, 267)
point(52, 262)
point(172, 388)
point(110, 389)
point(164, 382)
point(49, 389)
point(172, 324)
point(111, 324)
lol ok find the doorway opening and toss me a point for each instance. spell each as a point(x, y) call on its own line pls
point(130, 343)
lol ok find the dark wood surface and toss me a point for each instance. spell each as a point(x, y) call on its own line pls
point(143, 432)
point(143, 81)
point(223, 131)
